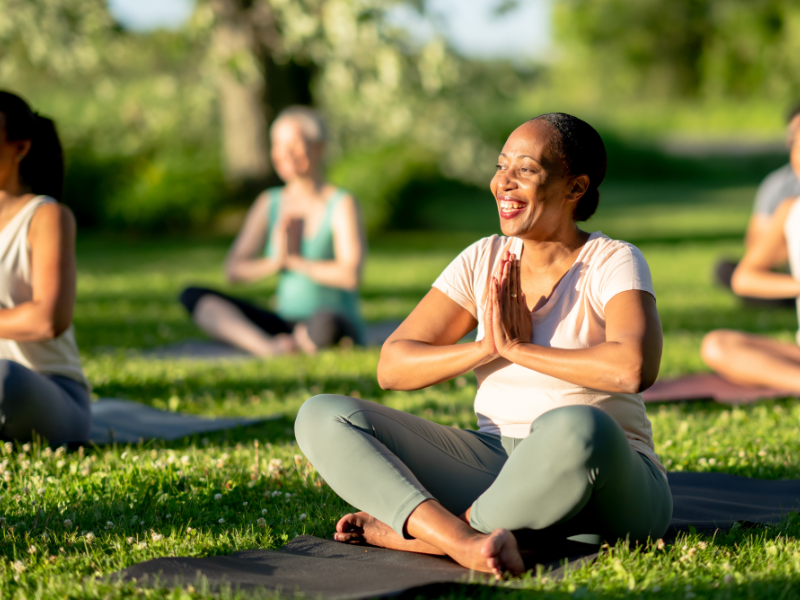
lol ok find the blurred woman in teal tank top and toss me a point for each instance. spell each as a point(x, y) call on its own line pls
point(310, 234)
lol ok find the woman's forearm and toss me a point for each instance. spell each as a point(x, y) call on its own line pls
point(251, 269)
point(31, 322)
point(412, 365)
point(610, 366)
point(330, 273)
point(764, 284)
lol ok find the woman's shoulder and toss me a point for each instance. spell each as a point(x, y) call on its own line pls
point(603, 251)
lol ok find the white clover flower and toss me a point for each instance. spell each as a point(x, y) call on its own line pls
point(26, 447)
point(89, 537)
point(40, 491)
point(141, 545)
point(123, 456)
point(157, 537)
point(32, 549)
point(184, 460)
point(169, 516)
point(275, 494)
point(189, 530)
point(221, 521)
point(245, 503)
point(264, 511)
point(288, 495)
point(19, 566)
point(130, 540)
point(109, 525)
point(303, 517)
point(261, 522)
point(8, 447)
point(217, 497)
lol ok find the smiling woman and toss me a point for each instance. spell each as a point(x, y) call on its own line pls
point(568, 337)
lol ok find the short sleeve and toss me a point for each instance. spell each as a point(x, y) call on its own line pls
point(776, 187)
point(626, 269)
point(458, 279)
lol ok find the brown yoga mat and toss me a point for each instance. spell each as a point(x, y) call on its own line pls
point(317, 567)
point(708, 386)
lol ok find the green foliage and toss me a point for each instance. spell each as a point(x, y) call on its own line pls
point(717, 48)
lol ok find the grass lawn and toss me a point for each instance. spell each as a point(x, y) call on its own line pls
point(70, 519)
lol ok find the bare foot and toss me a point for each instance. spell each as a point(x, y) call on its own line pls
point(502, 553)
point(362, 528)
point(283, 343)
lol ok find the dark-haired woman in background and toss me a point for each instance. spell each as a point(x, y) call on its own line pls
point(42, 386)
point(568, 337)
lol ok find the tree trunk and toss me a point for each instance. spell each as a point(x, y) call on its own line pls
point(241, 91)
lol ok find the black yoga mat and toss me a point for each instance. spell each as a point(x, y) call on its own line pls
point(325, 568)
point(124, 422)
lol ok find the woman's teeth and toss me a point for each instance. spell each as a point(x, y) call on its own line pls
point(506, 205)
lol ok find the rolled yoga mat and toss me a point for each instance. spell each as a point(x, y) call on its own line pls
point(126, 422)
point(709, 386)
point(328, 569)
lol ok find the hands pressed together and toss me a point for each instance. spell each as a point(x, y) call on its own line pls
point(506, 318)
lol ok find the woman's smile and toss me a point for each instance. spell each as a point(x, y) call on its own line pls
point(510, 207)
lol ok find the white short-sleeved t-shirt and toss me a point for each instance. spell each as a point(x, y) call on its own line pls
point(510, 397)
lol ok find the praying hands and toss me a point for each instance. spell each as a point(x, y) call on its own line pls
point(507, 319)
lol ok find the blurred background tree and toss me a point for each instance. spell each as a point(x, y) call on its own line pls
point(168, 130)
point(683, 48)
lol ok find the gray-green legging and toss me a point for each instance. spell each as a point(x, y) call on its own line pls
point(575, 476)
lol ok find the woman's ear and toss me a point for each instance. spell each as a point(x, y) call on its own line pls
point(21, 149)
point(579, 185)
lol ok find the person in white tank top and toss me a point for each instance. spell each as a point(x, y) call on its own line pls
point(750, 359)
point(43, 389)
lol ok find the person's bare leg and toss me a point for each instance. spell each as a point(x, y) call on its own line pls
point(753, 360)
point(362, 528)
point(224, 321)
point(437, 531)
point(303, 340)
point(497, 552)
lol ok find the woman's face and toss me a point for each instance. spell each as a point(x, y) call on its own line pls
point(534, 193)
point(11, 154)
point(292, 155)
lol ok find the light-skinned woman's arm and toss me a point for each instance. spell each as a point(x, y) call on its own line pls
point(49, 313)
point(344, 271)
point(627, 362)
point(245, 261)
point(753, 277)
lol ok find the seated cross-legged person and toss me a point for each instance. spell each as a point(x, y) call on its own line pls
point(310, 234)
point(42, 387)
point(757, 360)
point(568, 337)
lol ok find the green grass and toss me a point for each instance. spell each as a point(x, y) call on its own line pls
point(71, 519)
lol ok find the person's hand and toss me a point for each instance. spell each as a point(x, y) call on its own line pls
point(280, 241)
point(511, 319)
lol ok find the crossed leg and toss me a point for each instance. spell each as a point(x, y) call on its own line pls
point(750, 359)
point(416, 476)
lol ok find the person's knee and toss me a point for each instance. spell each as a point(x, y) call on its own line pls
point(191, 296)
point(581, 436)
point(716, 346)
point(318, 415)
point(326, 328)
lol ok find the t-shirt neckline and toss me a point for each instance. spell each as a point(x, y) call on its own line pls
point(516, 249)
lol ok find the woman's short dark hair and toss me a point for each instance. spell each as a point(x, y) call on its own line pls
point(581, 148)
point(42, 169)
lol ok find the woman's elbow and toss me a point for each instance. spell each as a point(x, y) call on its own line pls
point(631, 380)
